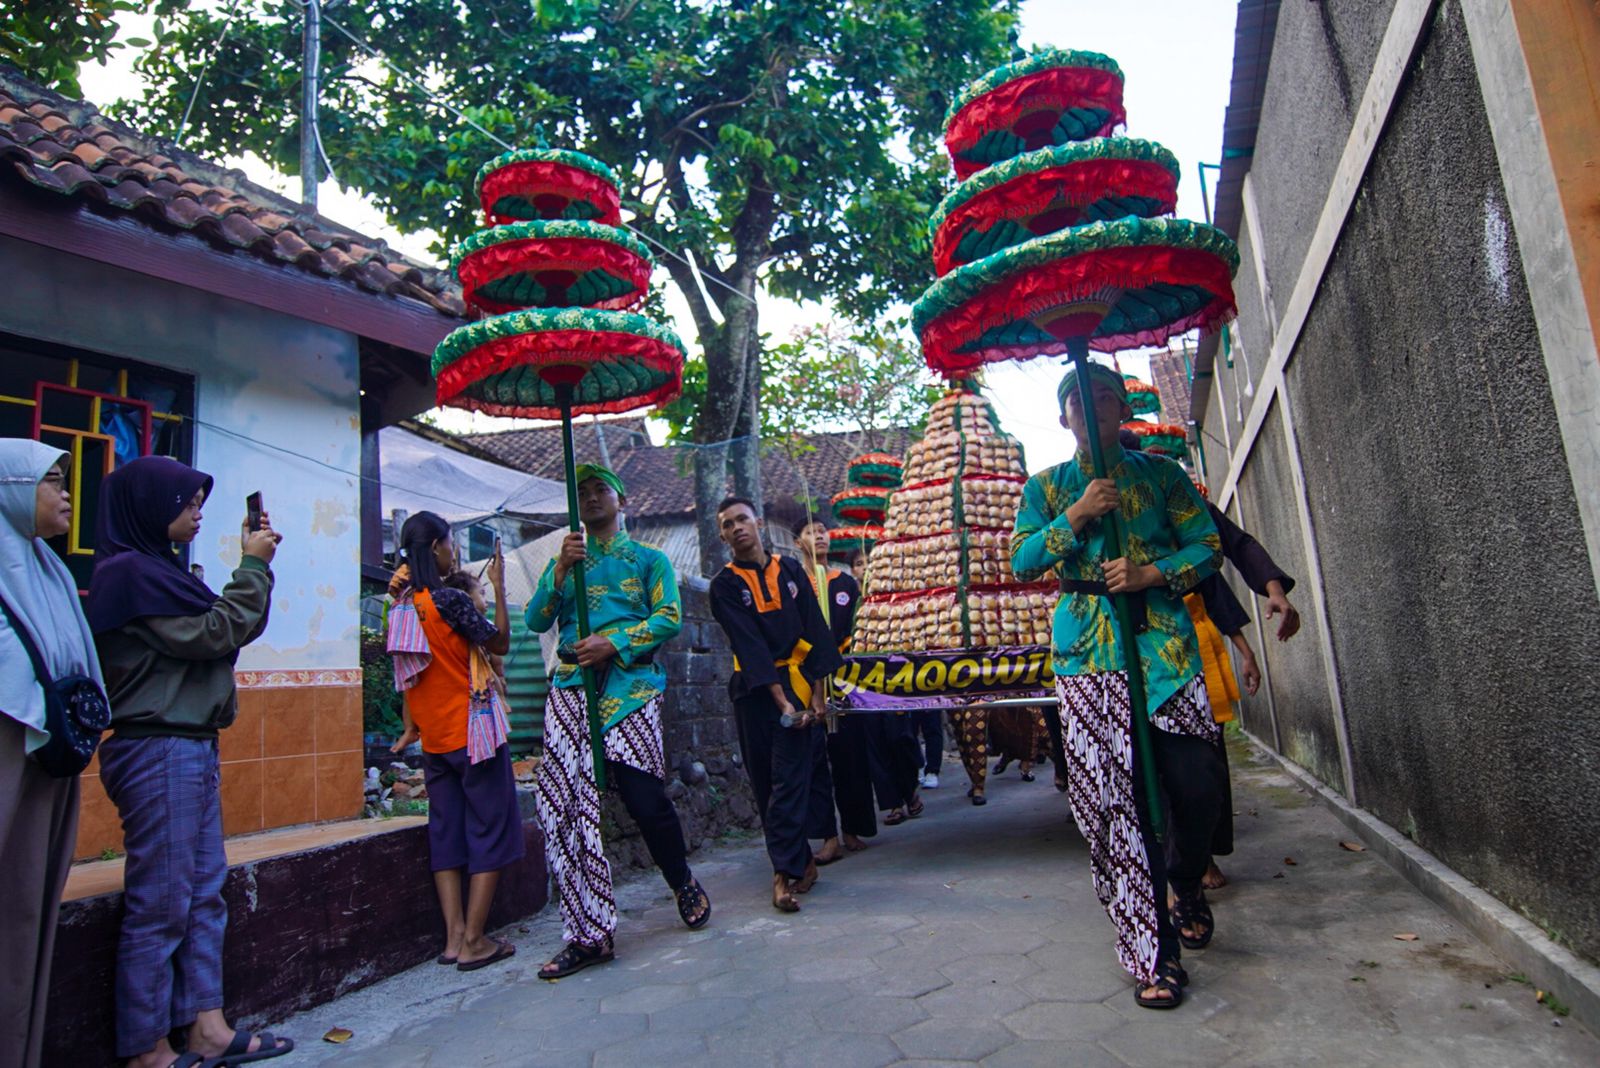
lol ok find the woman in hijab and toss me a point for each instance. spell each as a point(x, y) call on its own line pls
point(38, 812)
point(167, 647)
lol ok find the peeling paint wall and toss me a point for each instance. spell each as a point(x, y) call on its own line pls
point(276, 399)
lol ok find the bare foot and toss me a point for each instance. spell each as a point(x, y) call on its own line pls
point(1213, 879)
point(829, 852)
point(853, 843)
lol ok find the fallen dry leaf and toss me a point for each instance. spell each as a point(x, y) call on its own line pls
point(1354, 847)
point(1407, 937)
point(1538, 995)
point(339, 1034)
point(1289, 861)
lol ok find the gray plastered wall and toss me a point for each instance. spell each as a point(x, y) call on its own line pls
point(1459, 592)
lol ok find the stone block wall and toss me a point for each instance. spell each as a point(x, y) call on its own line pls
point(707, 781)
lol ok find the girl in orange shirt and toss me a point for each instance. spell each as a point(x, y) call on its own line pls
point(473, 821)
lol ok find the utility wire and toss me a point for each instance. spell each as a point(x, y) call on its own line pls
point(205, 69)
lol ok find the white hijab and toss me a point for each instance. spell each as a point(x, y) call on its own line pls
point(39, 590)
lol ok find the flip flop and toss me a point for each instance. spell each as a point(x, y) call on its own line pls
point(238, 1051)
point(442, 959)
point(188, 1060)
point(502, 951)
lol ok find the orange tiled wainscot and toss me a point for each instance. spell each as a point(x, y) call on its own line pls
point(292, 756)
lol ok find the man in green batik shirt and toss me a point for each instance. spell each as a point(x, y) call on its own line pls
point(1170, 544)
point(633, 608)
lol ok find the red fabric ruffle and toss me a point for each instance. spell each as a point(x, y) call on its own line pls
point(1147, 430)
point(1055, 89)
point(576, 254)
point(535, 178)
point(1063, 280)
point(1072, 186)
point(584, 347)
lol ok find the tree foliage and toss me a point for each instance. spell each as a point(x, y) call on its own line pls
point(835, 376)
point(770, 143)
point(51, 40)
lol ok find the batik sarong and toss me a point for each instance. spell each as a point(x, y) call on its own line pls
point(1101, 787)
point(568, 803)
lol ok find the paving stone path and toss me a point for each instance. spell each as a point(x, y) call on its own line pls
point(972, 935)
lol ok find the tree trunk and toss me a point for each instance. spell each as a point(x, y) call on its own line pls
point(710, 486)
point(745, 453)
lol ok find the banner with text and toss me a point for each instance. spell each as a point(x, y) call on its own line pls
point(886, 682)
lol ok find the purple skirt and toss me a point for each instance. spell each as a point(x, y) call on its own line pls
point(473, 820)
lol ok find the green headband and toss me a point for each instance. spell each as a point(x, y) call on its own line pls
point(587, 471)
point(1069, 383)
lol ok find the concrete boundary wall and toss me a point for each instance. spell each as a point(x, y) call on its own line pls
point(1552, 245)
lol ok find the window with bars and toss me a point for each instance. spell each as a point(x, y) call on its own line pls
point(102, 411)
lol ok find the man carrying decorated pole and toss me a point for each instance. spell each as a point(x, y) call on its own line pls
point(783, 656)
point(1065, 527)
point(633, 607)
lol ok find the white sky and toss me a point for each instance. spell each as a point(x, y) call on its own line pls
point(1176, 56)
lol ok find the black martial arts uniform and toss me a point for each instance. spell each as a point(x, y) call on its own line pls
point(842, 773)
point(778, 635)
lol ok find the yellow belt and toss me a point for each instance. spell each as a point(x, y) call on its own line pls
point(797, 682)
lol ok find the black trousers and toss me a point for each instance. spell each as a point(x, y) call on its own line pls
point(779, 761)
point(895, 757)
point(1193, 781)
point(848, 775)
point(1058, 754)
point(930, 727)
point(645, 798)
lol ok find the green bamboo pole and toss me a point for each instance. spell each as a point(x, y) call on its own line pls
point(597, 742)
point(1127, 637)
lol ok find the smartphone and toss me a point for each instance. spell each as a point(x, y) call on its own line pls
point(252, 511)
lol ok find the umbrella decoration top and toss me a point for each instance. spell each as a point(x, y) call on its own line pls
point(1064, 240)
point(1143, 398)
point(875, 469)
point(1049, 98)
point(547, 183)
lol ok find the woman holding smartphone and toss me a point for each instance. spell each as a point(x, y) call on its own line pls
point(440, 643)
point(167, 646)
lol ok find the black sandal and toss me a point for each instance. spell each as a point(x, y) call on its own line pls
point(977, 798)
point(575, 958)
point(692, 899)
point(914, 809)
point(1194, 913)
point(1162, 983)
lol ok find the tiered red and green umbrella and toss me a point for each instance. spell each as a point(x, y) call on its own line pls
point(870, 478)
point(1054, 243)
point(1143, 398)
point(1161, 439)
point(862, 504)
point(555, 275)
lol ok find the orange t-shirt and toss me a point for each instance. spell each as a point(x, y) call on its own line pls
point(438, 703)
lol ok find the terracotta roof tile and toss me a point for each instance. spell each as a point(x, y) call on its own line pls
point(64, 146)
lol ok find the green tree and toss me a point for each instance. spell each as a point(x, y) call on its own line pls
point(836, 376)
point(785, 144)
point(51, 40)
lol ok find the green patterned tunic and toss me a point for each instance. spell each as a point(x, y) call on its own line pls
point(633, 602)
point(1165, 523)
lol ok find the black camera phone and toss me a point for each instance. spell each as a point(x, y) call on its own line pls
point(252, 508)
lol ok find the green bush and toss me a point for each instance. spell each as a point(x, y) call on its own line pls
point(380, 704)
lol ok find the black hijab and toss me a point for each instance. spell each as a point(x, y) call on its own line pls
point(136, 571)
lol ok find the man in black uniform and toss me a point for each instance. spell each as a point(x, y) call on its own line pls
point(841, 775)
point(783, 652)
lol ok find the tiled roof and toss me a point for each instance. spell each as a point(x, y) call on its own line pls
point(537, 450)
point(66, 147)
point(660, 479)
point(1171, 376)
